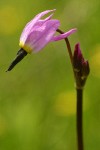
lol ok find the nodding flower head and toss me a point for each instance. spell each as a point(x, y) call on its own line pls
point(37, 34)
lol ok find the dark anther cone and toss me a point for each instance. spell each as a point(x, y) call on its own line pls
point(20, 55)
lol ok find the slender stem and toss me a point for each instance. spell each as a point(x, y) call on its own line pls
point(79, 119)
point(69, 49)
point(68, 46)
point(79, 97)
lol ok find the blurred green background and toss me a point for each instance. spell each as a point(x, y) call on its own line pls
point(37, 98)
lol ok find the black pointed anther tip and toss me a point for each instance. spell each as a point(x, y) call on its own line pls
point(20, 55)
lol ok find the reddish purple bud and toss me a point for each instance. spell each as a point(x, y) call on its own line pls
point(85, 69)
point(80, 66)
point(77, 58)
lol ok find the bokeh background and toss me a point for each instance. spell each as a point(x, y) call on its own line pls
point(37, 98)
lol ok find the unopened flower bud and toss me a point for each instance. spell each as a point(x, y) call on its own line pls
point(77, 58)
point(85, 69)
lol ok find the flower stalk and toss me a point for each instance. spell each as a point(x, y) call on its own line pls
point(68, 46)
point(79, 122)
point(81, 71)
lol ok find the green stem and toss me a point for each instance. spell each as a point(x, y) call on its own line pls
point(79, 119)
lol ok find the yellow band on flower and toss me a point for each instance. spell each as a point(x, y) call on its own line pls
point(27, 48)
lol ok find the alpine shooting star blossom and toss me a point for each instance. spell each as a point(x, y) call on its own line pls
point(37, 34)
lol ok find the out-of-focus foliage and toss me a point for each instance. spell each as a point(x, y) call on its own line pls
point(37, 98)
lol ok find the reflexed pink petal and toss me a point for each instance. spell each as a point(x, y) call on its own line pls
point(39, 32)
point(48, 18)
point(36, 18)
point(63, 36)
point(33, 22)
point(40, 37)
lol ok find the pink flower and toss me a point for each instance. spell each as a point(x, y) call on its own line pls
point(39, 32)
